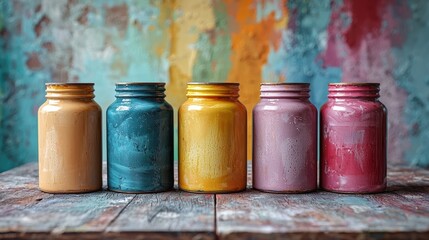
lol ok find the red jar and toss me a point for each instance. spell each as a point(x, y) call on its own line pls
point(353, 139)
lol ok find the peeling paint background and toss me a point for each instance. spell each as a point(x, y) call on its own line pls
point(245, 41)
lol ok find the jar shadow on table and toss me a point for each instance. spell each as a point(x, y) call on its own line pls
point(412, 187)
point(396, 188)
point(392, 187)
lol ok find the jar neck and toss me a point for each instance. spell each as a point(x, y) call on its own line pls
point(70, 91)
point(354, 90)
point(140, 90)
point(213, 90)
point(285, 90)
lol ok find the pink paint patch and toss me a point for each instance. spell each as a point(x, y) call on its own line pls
point(366, 20)
point(362, 50)
point(35, 110)
point(330, 57)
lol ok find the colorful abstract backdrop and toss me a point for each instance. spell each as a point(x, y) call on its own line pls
point(246, 41)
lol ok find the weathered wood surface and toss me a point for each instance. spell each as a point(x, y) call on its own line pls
point(25, 212)
point(18, 189)
point(170, 212)
point(400, 213)
point(40, 214)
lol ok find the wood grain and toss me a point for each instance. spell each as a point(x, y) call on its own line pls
point(26, 212)
point(174, 212)
point(66, 213)
point(25, 209)
point(19, 189)
point(402, 212)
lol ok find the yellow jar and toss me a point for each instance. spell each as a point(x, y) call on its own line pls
point(212, 139)
point(69, 139)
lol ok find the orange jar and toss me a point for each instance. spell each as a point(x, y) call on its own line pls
point(70, 139)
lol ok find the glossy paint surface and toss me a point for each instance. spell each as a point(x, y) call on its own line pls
point(353, 140)
point(285, 139)
point(140, 139)
point(212, 139)
point(69, 140)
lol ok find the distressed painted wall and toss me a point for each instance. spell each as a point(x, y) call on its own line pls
point(246, 41)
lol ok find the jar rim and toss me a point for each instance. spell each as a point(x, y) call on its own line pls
point(355, 84)
point(286, 84)
point(68, 84)
point(139, 83)
point(214, 83)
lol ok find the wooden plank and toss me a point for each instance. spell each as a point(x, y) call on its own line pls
point(25, 210)
point(29, 169)
point(322, 215)
point(19, 189)
point(67, 213)
point(401, 213)
point(412, 184)
point(174, 214)
point(28, 213)
point(319, 214)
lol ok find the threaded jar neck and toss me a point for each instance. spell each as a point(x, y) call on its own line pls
point(140, 90)
point(70, 90)
point(227, 90)
point(354, 90)
point(285, 90)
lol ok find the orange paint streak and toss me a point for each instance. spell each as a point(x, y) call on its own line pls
point(251, 43)
point(193, 18)
point(176, 87)
point(166, 9)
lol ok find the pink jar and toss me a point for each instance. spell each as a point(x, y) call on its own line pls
point(353, 139)
point(285, 139)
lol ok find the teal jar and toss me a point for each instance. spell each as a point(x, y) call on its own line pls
point(140, 139)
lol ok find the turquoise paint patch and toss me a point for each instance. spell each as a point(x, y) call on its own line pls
point(2, 9)
point(354, 201)
point(265, 8)
point(213, 63)
point(127, 58)
point(411, 74)
point(79, 52)
point(23, 88)
point(297, 59)
point(2, 61)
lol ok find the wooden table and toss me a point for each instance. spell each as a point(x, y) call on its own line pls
point(400, 213)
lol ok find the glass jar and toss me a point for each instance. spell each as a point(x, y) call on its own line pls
point(212, 139)
point(285, 139)
point(140, 139)
point(69, 126)
point(353, 139)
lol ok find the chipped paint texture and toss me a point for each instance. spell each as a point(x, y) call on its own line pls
point(245, 41)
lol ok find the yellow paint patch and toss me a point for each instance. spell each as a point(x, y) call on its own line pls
point(251, 43)
point(193, 18)
point(164, 18)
